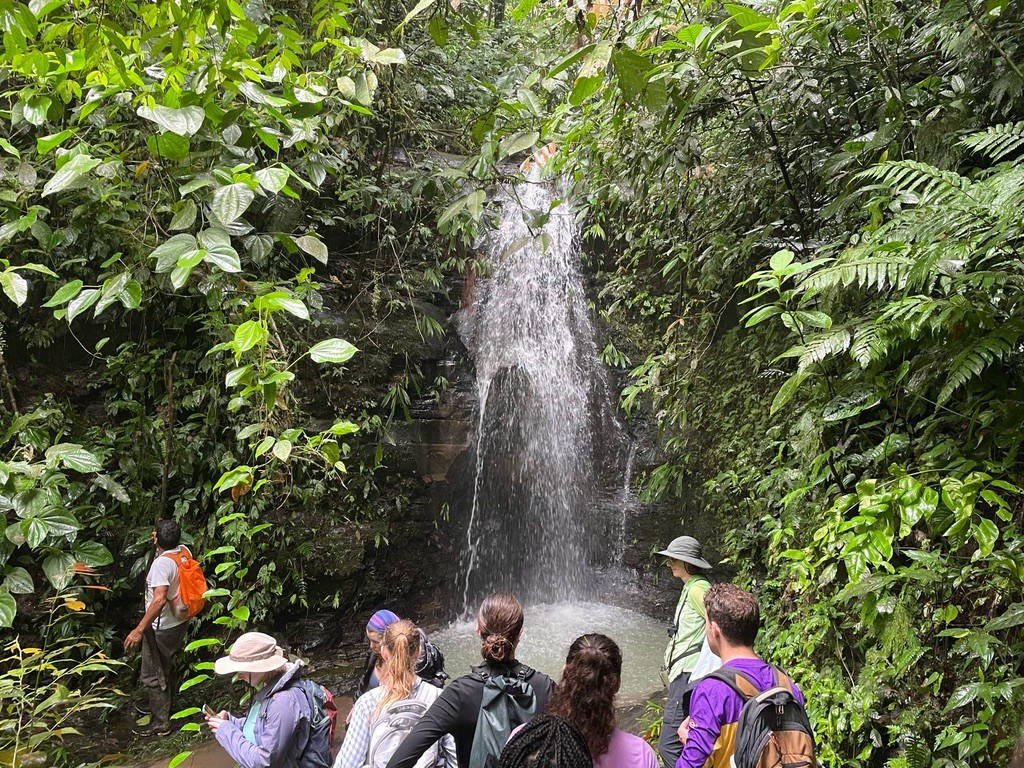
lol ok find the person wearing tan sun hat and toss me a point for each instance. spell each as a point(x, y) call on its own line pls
point(276, 729)
point(686, 561)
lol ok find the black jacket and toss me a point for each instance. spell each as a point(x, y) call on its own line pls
point(456, 712)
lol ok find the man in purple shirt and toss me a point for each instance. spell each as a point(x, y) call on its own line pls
point(709, 733)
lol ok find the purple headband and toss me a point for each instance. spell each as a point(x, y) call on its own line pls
point(380, 620)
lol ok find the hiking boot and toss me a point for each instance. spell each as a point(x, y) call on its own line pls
point(152, 729)
point(140, 708)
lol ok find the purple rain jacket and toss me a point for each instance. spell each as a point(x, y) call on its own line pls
point(282, 727)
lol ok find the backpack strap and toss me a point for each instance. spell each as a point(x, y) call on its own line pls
point(782, 680)
point(740, 682)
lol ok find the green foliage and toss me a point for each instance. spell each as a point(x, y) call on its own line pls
point(848, 175)
point(46, 686)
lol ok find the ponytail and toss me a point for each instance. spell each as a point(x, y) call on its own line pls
point(399, 650)
point(500, 623)
point(586, 693)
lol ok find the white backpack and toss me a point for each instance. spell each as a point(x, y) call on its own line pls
point(390, 730)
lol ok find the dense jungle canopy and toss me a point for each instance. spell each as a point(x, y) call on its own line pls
point(804, 231)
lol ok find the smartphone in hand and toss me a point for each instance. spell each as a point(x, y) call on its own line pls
point(208, 711)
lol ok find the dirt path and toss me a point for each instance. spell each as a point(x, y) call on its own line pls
point(210, 754)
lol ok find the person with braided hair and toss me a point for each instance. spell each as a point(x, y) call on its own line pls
point(586, 697)
point(458, 709)
point(546, 742)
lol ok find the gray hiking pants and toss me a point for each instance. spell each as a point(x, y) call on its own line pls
point(669, 746)
point(157, 673)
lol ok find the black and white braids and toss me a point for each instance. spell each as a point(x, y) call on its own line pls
point(547, 742)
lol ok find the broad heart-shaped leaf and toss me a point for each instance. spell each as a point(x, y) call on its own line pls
point(92, 553)
point(74, 456)
point(60, 524)
point(231, 201)
point(248, 335)
point(185, 216)
point(314, 246)
point(272, 179)
point(283, 449)
point(8, 608)
point(219, 252)
point(35, 109)
point(59, 569)
point(185, 121)
point(19, 582)
point(71, 170)
point(332, 351)
point(168, 252)
point(517, 143)
point(15, 286)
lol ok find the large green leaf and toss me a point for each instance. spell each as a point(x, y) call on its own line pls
point(8, 608)
point(92, 553)
point(184, 215)
point(74, 456)
point(184, 121)
point(64, 294)
point(168, 252)
point(314, 246)
point(82, 302)
point(248, 335)
point(74, 168)
point(19, 582)
point(231, 201)
point(387, 56)
point(332, 351)
point(15, 286)
point(417, 9)
point(272, 179)
point(520, 142)
point(59, 569)
point(219, 252)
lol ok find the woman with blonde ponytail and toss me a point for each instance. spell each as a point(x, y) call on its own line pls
point(383, 716)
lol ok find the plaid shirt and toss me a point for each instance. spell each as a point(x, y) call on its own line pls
point(356, 748)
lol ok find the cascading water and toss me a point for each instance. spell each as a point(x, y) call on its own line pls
point(532, 343)
point(547, 503)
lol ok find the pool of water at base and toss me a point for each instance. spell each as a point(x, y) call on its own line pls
point(549, 629)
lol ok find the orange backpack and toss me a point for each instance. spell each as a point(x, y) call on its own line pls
point(191, 582)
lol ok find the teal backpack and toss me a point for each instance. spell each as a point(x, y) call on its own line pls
point(507, 703)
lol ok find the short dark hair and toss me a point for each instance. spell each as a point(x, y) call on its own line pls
point(735, 611)
point(168, 534)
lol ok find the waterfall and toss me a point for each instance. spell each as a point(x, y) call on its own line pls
point(533, 347)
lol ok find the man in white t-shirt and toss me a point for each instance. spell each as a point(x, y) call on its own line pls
point(160, 631)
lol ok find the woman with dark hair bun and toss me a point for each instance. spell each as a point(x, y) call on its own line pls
point(586, 698)
point(499, 623)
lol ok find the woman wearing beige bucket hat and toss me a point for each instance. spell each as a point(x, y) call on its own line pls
point(276, 730)
point(684, 558)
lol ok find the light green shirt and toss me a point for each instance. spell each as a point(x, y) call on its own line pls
point(684, 648)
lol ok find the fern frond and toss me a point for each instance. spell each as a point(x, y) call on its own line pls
point(997, 142)
point(876, 271)
point(922, 182)
point(869, 345)
point(823, 345)
point(976, 358)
